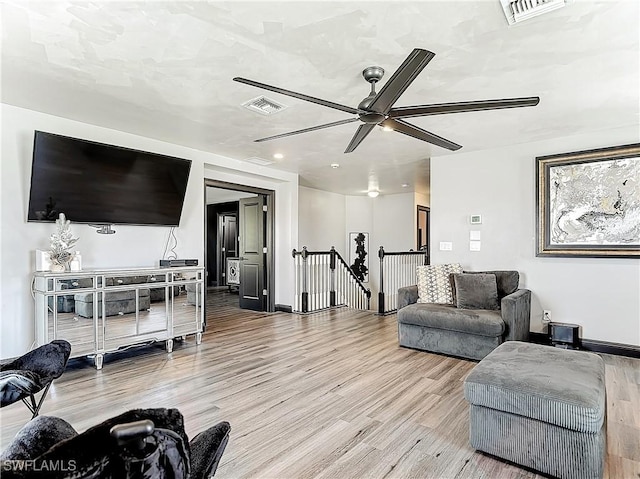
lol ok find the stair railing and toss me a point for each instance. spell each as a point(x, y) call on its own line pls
point(323, 280)
point(397, 269)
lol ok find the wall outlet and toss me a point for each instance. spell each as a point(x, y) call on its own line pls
point(546, 316)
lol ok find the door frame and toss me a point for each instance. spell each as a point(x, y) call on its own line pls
point(426, 210)
point(269, 221)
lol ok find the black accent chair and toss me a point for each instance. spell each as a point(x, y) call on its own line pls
point(31, 373)
point(141, 443)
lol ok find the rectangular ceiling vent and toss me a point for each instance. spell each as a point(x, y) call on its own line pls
point(259, 161)
point(264, 105)
point(518, 11)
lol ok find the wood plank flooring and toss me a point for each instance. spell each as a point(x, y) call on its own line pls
point(327, 395)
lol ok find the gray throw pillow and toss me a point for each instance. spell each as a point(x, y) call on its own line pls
point(476, 291)
point(507, 281)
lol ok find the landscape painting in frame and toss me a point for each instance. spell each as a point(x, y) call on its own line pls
point(589, 203)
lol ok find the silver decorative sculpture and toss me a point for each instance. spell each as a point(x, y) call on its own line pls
point(62, 242)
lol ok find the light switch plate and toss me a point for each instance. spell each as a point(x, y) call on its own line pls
point(474, 245)
point(446, 246)
point(474, 235)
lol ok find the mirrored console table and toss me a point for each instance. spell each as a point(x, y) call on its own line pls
point(104, 311)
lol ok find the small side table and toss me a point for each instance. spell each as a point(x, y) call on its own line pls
point(564, 335)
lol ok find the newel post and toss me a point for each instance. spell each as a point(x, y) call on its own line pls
point(305, 272)
point(381, 293)
point(332, 268)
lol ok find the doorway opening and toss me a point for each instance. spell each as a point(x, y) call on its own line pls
point(424, 230)
point(239, 239)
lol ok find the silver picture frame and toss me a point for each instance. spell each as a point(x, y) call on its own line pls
point(588, 203)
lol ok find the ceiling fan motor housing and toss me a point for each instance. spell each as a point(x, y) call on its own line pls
point(367, 115)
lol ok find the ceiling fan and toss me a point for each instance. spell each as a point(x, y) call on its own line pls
point(377, 108)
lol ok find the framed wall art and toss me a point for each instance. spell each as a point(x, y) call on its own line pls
point(359, 255)
point(588, 203)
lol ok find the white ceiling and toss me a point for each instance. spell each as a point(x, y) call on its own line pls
point(164, 70)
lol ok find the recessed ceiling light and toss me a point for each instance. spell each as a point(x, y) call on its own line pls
point(278, 156)
point(386, 128)
point(405, 185)
point(373, 193)
point(335, 165)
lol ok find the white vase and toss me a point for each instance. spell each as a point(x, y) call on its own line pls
point(57, 268)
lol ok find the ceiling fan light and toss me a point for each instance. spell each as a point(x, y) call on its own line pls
point(373, 193)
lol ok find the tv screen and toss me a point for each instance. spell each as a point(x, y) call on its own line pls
point(96, 183)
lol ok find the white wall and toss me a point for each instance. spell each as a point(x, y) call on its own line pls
point(132, 245)
point(394, 222)
point(601, 295)
point(358, 218)
point(321, 219)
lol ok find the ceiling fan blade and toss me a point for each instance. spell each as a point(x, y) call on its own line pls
point(362, 131)
point(463, 106)
point(411, 130)
point(305, 130)
point(401, 79)
point(300, 96)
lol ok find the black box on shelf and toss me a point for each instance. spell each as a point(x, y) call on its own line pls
point(174, 263)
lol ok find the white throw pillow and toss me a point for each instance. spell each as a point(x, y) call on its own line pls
point(434, 285)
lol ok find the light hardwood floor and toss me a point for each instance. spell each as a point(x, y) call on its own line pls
point(328, 395)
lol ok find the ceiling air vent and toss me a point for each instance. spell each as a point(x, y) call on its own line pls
point(517, 11)
point(264, 105)
point(259, 161)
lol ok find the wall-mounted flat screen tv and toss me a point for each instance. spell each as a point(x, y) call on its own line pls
point(103, 184)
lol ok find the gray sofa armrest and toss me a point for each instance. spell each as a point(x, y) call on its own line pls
point(407, 295)
point(516, 313)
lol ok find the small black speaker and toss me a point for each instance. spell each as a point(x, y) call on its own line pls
point(564, 335)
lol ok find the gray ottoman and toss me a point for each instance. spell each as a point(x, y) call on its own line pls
point(540, 407)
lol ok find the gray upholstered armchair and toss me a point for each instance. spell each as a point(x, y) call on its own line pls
point(459, 329)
